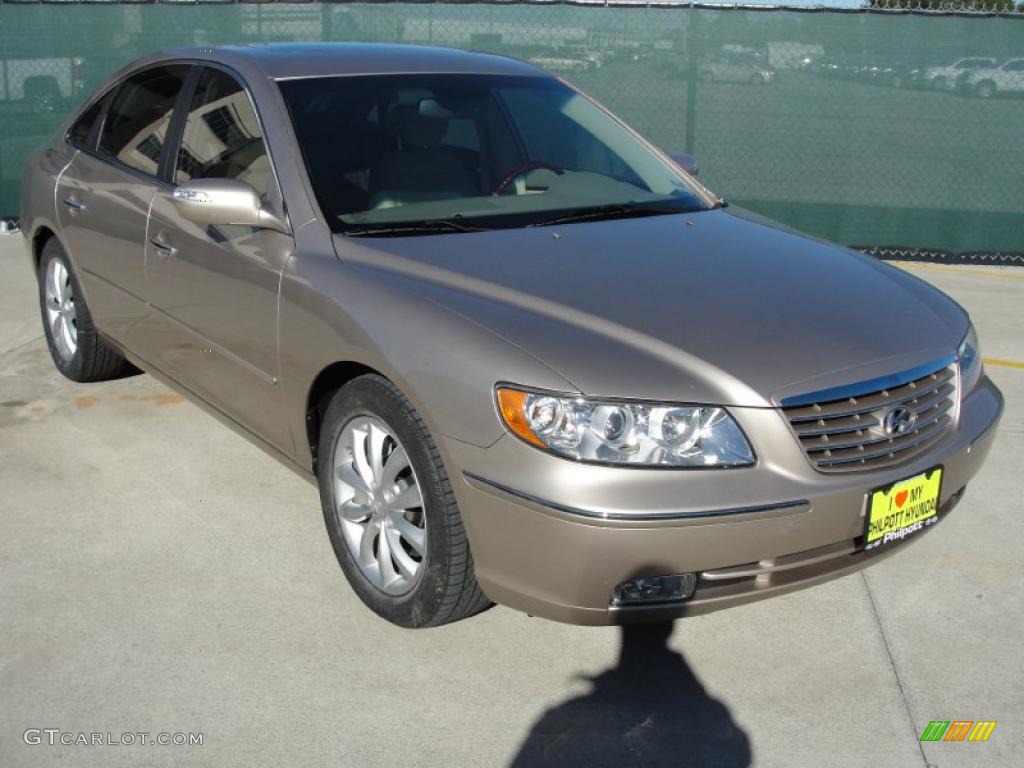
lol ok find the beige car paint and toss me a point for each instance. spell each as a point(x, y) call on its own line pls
point(259, 327)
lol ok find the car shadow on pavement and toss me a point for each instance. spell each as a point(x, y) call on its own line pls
point(649, 710)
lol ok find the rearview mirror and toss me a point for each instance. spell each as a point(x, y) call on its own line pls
point(225, 201)
point(687, 162)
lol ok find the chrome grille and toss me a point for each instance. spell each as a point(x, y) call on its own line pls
point(849, 434)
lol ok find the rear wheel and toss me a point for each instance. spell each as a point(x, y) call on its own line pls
point(77, 350)
point(985, 89)
point(390, 510)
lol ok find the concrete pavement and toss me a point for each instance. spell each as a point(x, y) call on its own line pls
point(160, 574)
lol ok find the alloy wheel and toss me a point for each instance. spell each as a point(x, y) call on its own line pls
point(60, 309)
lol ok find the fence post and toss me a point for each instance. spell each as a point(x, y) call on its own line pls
point(326, 16)
point(691, 78)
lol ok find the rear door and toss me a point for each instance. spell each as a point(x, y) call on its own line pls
point(103, 197)
point(213, 289)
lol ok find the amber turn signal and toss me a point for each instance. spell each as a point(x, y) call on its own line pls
point(512, 404)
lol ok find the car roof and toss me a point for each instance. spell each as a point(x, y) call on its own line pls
point(280, 61)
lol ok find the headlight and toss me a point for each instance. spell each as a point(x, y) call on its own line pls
point(625, 432)
point(969, 358)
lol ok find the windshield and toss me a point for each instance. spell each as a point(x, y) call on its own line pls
point(386, 152)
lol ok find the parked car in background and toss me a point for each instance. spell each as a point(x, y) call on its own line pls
point(893, 74)
point(737, 65)
point(36, 94)
point(523, 355)
point(841, 67)
point(563, 61)
point(1005, 79)
point(587, 53)
point(43, 81)
point(647, 54)
point(949, 78)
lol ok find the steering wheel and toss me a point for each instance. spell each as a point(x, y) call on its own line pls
point(519, 170)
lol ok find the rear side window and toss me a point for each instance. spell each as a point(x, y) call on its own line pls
point(136, 124)
point(82, 129)
point(222, 137)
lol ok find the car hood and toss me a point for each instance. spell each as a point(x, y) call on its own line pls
point(712, 307)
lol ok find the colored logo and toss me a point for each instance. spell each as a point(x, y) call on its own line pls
point(958, 730)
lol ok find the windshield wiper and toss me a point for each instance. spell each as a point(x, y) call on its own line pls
point(609, 211)
point(431, 227)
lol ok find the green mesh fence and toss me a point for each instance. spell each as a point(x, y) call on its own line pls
point(865, 128)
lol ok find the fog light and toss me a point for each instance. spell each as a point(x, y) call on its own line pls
point(655, 589)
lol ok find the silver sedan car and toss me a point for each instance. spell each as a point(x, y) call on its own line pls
point(526, 356)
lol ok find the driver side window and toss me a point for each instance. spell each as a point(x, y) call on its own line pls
point(562, 137)
point(222, 137)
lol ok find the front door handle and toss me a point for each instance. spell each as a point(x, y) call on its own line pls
point(163, 246)
point(73, 205)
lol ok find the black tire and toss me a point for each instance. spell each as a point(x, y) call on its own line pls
point(447, 589)
point(986, 89)
point(92, 360)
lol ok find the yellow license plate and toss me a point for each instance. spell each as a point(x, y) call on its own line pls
point(902, 509)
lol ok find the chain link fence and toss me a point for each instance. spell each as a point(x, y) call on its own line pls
point(894, 126)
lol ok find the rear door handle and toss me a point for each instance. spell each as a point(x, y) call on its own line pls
point(75, 206)
point(163, 246)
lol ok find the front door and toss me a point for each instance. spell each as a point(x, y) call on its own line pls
point(104, 197)
point(213, 289)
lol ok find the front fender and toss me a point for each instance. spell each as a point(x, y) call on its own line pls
point(445, 364)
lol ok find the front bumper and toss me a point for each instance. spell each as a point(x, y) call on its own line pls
point(553, 537)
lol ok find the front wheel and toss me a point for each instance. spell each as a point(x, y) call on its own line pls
point(390, 510)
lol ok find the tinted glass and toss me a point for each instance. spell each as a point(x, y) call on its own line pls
point(222, 137)
point(547, 132)
point(136, 124)
point(498, 151)
point(80, 131)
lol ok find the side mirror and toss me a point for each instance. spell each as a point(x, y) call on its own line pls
point(687, 162)
point(224, 201)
